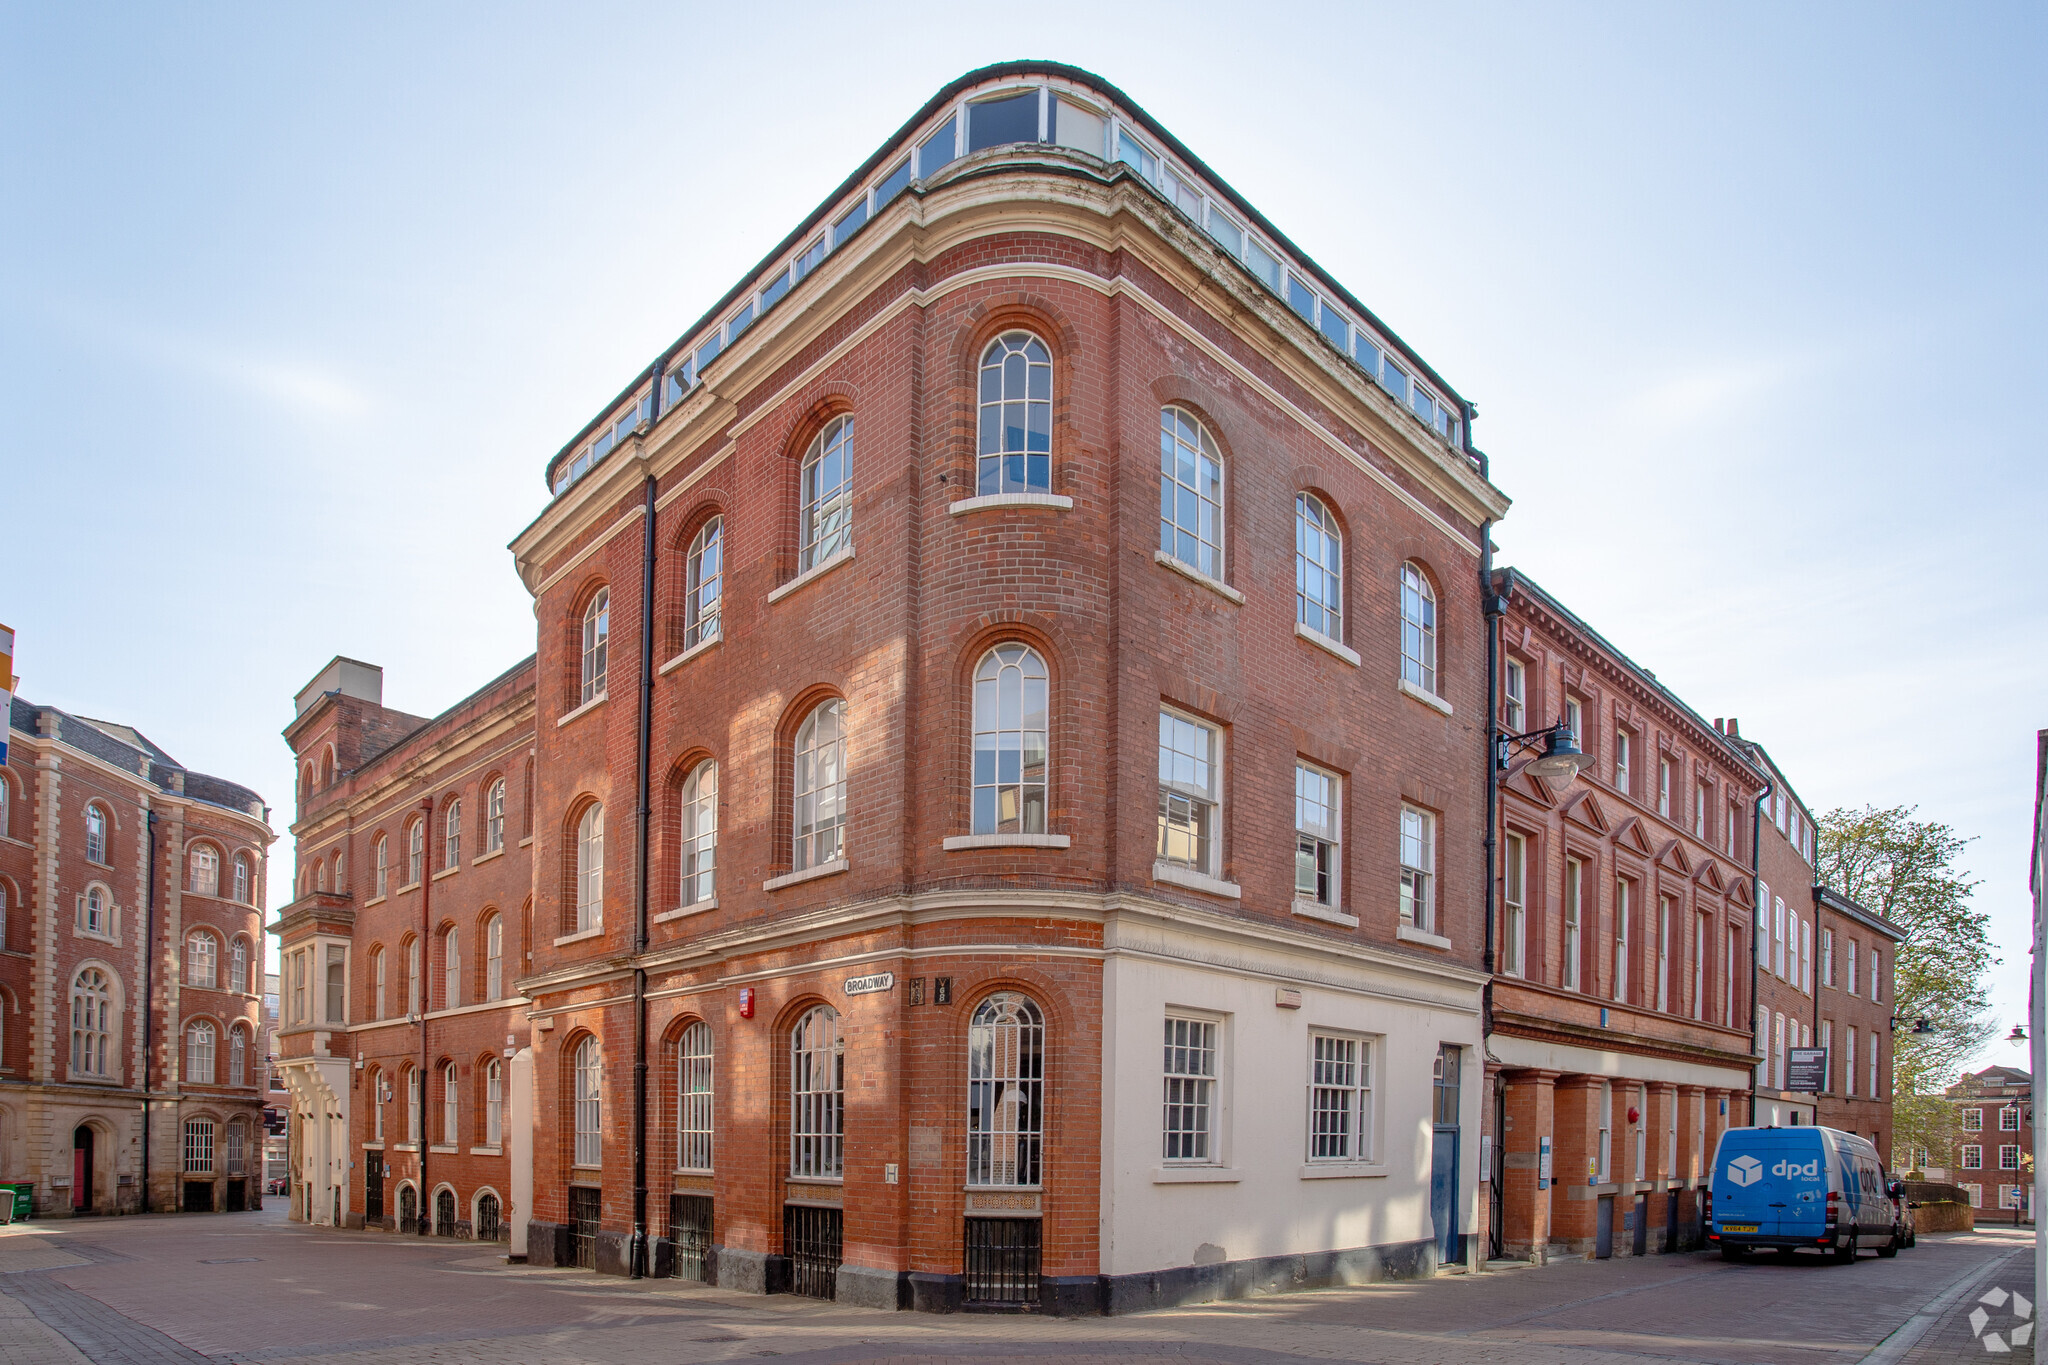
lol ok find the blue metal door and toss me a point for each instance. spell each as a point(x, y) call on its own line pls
point(1443, 1195)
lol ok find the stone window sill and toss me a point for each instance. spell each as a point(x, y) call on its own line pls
point(1329, 914)
point(955, 842)
point(708, 643)
point(447, 872)
point(580, 935)
point(1344, 1170)
point(1408, 933)
point(682, 911)
point(816, 571)
point(485, 1151)
point(444, 1149)
point(1196, 1175)
point(405, 1146)
point(1195, 575)
point(837, 865)
point(497, 852)
point(373, 1146)
point(590, 705)
point(1324, 642)
point(988, 501)
point(1429, 699)
point(409, 886)
point(527, 840)
point(1176, 875)
point(374, 900)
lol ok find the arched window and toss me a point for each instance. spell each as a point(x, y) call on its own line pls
point(199, 1052)
point(238, 1147)
point(238, 1056)
point(327, 766)
point(205, 871)
point(693, 1092)
point(95, 834)
point(202, 960)
point(589, 1118)
point(451, 1133)
point(6, 803)
point(244, 879)
point(383, 865)
point(319, 875)
point(377, 998)
point(334, 869)
point(494, 958)
point(590, 869)
point(487, 1217)
point(444, 1212)
point(413, 1117)
point(412, 976)
point(820, 787)
point(597, 635)
point(494, 1102)
point(377, 1099)
point(92, 1022)
point(415, 852)
point(817, 1095)
point(700, 834)
point(1190, 493)
point(238, 966)
point(494, 817)
point(1010, 741)
point(95, 911)
point(1016, 416)
point(825, 500)
point(451, 844)
point(1318, 567)
point(451, 968)
point(1418, 629)
point(1006, 1092)
point(705, 586)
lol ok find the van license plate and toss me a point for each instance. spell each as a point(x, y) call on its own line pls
point(1739, 1227)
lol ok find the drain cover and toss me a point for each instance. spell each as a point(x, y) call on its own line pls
point(232, 1260)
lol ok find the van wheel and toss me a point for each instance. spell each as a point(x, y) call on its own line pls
point(1891, 1248)
point(1846, 1253)
point(1730, 1253)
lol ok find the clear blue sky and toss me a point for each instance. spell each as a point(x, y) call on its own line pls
point(294, 305)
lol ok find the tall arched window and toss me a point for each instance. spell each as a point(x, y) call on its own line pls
point(1016, 416)
point(92, 1022)
point(1318, 567)
point(494, 958)
point(1010, 741)
point(238, 1147)
point(597, 635)
point(451, 1132)
point(95, 911)
point(589, 1118)
point(383, 865)
point(820, 787)
point(1418, 629)
point(451, 840)
point(693, 1096)
point(494, 817)
point(319, 875)
point(590, 869)
point(202, 958)
point(704, 590)
point(199, 1052)
point(245, 881)
point(1006, 1092)
point(817, 1095)
point(451, 968)
point(378, 1000)
point(415, 852)
point(412, 976)
point(413, 1118)
point(494, 1102)
point(238, 1056)
point(95, 834)
point(1190, 493)
point(699, 843)
point(238, 966)
point(334, 869)
point(825, 498)
point(205, 871)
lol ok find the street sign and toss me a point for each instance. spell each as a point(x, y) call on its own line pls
point(868, 985)
point(1809, 1068)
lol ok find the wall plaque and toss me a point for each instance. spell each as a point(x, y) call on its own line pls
point(868, 985)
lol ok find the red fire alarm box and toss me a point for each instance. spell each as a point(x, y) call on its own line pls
point(746, 1002)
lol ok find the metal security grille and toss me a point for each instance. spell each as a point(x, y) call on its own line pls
point(444, 1213)
point(373, 1190)
point(1003, 1261)
point(487, 1218)
point(689, 1227)
point(586, 1204)
point(811, 1239)
point(408, 1208)
point(1005, 1091)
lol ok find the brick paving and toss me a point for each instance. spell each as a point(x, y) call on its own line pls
point(252, 1288)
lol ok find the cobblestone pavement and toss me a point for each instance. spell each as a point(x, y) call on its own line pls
point(207, 1290)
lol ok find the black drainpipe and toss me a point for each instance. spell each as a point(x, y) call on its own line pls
point(426, 1202)
point(636, 1253)
point(148, 1005)
point(1495, 605)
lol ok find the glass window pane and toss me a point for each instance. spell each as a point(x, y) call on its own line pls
point(1076, 127)
point(1132, 152)
point(892, 184)
point(1301, 299)
point(936, 150)
point(994, 123)
point(849, 222)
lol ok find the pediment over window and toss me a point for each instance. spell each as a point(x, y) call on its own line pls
point(1673, 856)
point(1631, 836)
point(1709, 877)
point(1525, 783)
point(1584, 807)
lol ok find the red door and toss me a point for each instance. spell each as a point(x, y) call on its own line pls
point(81, 1177)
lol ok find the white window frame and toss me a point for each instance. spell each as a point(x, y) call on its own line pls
point(451, 968)
point(494, 959)
point(1205, 458)
point(451, 836)
point(202, 960)
point(1664, 787)
point(1011, 724)
point(695, 1078)
point(1318, 567)
point(238, 1056)
point(587, 1069)
point(95, 834)
point(1340, 1092)
point(1190, 1106)
point(2008, 1118)
point(818, 812)
point(1664, 906)
point(494, 1103)
point(1514, 901)
point(415, 851)
point(1973, 1156)
point(1572, 967)
point(1318, 836)
point(494, 817)
point(1190, 810)
point(1005, 1117)
point(825, 512)
point(1624, 744)
point(1603, 1148)
point(590, 868)
point(817, 1096)
point(1515, 692)
point(704, 584)
point(451, 1105)
point(1418, 628)
point(201, 1045)
point(993, 449)
point(597, 631)
point(1849, 1061)
point(383, 865)
point(1623, 894)
point(1417, 841)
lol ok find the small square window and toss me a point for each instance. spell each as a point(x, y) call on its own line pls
point(1394, 380)
point(1229, 234)
point(1262, 263)
point(1132, 152)
point(1301, 299)
point(892, 184)
point(739, 322)
point(849, 222)
point(807, 259)
point(1336, 328)
point(940, 149)
point(772, 292)
point(1365, 353)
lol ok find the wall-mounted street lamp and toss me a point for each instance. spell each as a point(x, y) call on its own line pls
point(1562, 758)
point(2018, 1034)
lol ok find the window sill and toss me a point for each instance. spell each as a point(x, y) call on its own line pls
point(955, 842)
point(1195, 575)
point(1329, 914)
point(680, 912)
point(580, 935)
point(590, 705)
point(111, 940)
point(1175, 875)
point(497, 852)
point(405, 1146)
point(527, 840)
point(1196, 1175)
point(837, 865)
point(1324, 642)
point(1429, 699)
point(989, 501)
point(816, 571)
point(1408, 933)
point(374, 900)
point(409, 886)
point(1344, 1170)
point(692, 652)
point(373, 1146)
point(444, 1149)
point(447, 872)
point(487, 1151)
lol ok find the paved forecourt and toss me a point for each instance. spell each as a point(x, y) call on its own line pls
point(148, 1291)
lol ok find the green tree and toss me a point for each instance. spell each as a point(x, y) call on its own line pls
point(1906, 870)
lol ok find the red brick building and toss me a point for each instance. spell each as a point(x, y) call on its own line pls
point(1992, 1158)
point(1619, 1030)
point(1008, 797)
point(131, 892)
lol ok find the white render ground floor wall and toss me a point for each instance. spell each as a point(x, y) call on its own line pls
point(40, 1144)
point(1262, 1210)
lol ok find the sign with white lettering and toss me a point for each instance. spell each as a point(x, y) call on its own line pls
point(868, 985)
point(1809, 1070)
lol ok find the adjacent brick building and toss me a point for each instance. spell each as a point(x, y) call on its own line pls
point(131, 893)
point(1992, 1158)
